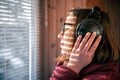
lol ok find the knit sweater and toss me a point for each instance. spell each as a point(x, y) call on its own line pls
point(109, 71)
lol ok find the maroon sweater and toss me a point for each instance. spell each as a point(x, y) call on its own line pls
point(108, 71)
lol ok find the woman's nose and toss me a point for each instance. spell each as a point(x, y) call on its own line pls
point(60, 35)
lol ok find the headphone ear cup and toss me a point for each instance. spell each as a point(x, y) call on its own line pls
point(89, 25)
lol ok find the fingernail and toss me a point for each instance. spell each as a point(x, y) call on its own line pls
point(94, 32)
point(100, 36)
point(88, 33)
point(80, 36)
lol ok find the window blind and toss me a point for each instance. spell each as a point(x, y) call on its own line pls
point(16, 39)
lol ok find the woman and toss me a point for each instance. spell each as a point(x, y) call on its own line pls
point(89, 57)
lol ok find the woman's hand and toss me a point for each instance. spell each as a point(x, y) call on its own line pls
point(83, 51)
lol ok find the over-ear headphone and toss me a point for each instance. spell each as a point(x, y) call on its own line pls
point(91, 23)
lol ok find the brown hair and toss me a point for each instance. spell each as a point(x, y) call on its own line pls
point(108, 49)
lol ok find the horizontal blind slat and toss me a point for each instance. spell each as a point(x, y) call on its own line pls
point(15, 22)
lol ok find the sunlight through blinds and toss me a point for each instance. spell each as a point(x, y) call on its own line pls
point(15, 25)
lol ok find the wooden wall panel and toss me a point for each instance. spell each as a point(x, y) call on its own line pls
point(52, 17)
point(69, 4)
point(100, 3)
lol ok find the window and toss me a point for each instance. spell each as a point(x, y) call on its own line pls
point(17, 36)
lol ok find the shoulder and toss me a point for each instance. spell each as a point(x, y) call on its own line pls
point(109, 71)
point(63, 73)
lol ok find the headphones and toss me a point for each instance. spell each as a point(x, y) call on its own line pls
point(91, 23)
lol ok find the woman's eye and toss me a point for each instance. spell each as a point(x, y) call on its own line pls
point(67, 26)
point(66, 29)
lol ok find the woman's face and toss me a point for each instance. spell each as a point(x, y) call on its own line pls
point(68, 34)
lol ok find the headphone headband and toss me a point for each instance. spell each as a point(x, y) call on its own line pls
point(91, 23)
point(95, 13)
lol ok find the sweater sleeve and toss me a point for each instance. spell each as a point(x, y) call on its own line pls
point(101, 76)
point(63, 73)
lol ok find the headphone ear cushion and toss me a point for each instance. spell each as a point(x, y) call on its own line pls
point(89, 25)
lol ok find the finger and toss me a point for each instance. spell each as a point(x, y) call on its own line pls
point(90, 41)
point(83, 42)
point(77, 43)
point(95, 45)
